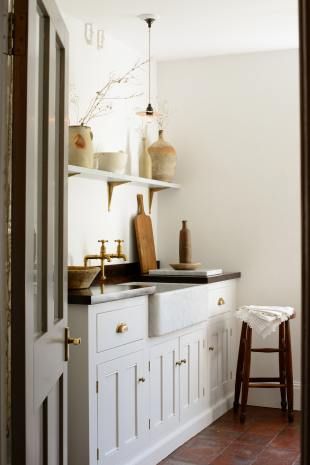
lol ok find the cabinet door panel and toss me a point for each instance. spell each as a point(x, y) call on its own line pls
point(219, 359)
point(121, 408)
point(213, 365)
point(192, 373)
point(164, 387)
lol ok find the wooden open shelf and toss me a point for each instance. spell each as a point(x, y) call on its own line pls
point(114, 180)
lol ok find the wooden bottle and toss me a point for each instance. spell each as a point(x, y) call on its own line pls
point(185, 246)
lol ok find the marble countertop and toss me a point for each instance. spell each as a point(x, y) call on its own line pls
point(108, 293)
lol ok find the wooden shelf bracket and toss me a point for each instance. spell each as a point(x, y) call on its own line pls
point(111, 185)
point(152, 191)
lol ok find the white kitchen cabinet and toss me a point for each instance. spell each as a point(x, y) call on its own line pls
point(133, 399)
point(122, 413)
point(192, 373)
point(164, 387)
point(219, 365)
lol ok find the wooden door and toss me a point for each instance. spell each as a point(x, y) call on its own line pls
point(39, 250)
point(192, 374)
point(122, 414)
point(164, 388)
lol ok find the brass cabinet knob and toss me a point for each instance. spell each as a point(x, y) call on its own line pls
point(211, 349)
point(178, 363)
point(183, 361)
point(76, 341)
point(141, 380)
point(221, 301)
point(122, 328)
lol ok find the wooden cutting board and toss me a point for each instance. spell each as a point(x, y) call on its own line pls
point(145, 238)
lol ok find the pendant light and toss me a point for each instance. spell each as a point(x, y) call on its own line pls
point(149, 112)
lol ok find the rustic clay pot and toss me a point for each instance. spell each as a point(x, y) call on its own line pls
point(164, 159)
point(81, 151)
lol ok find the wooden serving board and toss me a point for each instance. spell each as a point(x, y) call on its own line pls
point(145, 238)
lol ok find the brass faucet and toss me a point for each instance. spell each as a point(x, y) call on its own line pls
point(102, 257)
point(119, 251)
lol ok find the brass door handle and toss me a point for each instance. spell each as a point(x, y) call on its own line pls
point(141, 380)
point(211, 349)
point(221, 301)
point(122, 328)
point(183, 361)
point(76, 341)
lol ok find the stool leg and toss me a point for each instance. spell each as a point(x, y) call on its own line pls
point(246, 373)
point(240, 365)
point(289, 371)
point(282, 371)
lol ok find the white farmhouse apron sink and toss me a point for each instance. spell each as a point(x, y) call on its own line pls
point(175, 306)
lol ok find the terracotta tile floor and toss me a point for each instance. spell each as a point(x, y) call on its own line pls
point(265, 439)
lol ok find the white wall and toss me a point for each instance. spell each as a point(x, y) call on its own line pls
point(89, 70)
point(234, 121)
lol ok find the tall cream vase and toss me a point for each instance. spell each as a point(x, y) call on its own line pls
point(145, 162)
point(164, 159)
point(81, 152)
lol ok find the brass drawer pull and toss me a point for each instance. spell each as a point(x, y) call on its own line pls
point(141, 380)
point(183, 361)
point(178, 363)
point(122, 328)
point(221, 301)
point(211, 349)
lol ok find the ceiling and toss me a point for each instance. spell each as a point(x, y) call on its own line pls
point(195, 28)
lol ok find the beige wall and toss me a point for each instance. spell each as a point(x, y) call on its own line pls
point(235, 123)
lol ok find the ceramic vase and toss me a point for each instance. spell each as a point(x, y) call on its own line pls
point(185, 245)
point(163, 157)
point(145, 162)
point(81, 152)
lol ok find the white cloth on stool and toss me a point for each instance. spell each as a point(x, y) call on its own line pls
point(264, 320)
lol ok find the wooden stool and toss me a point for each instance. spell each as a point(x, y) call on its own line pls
point(285, 380)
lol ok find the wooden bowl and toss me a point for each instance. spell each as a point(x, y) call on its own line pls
point(81, 277)
point(185, 266)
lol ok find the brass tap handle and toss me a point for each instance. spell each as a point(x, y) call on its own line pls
point(119, 249)
point(103, 247)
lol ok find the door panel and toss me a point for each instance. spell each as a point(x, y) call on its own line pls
point(39, 253)
point(164, 387)
point(121, 408)
point(219, 359)
point(192, 373)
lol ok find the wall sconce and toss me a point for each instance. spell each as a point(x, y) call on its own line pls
point(88, 33)
point(100, 38)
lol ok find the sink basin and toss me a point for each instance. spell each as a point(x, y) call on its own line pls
point(175, 306)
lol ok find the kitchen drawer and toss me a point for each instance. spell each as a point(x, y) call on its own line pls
point(221, 299)
point(121, 326)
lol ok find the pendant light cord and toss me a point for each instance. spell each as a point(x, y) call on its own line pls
point(149, 24)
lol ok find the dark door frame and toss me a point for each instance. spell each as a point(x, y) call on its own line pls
point(304, 34)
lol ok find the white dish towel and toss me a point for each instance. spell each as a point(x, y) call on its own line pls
point(264, 320)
